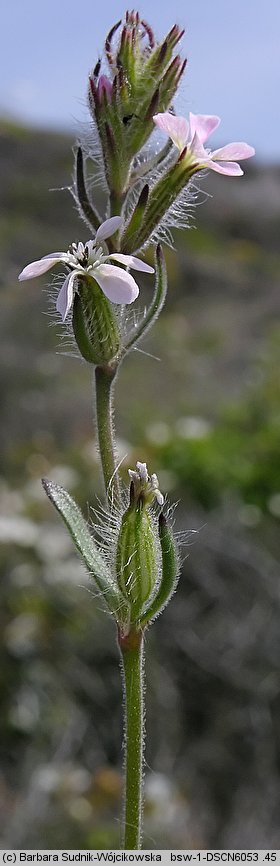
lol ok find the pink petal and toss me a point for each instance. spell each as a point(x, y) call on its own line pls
point(35, 269)
point(230, 168)
point(236, 150)
point(176, 127)
point(203, 125)
point(108, 228)
point(65, 297)
point(117, 285)
point(104, 85)
point(198, 150)
point(132, 262)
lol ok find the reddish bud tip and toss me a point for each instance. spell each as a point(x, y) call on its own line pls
point(176, 63)
point(104, 88)
point(96, 70)
point(149, 32)
point(109, 40)
point(163, 51)
point(153, 105)
point(181, 70)
point(174, 35)
point(182, 155)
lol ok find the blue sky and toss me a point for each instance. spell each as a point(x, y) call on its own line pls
point(233, 51)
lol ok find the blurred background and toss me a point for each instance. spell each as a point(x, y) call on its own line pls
point(201, 406)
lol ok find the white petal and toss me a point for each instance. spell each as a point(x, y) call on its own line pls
point(230, 168)
point(132, 262)
point(117, 285)
point(198, 150)
point(235, 150)
point(143, 472)
point(203, 125)
point(65, 297)
point(35, 269)
point(59, 256)
point(108, 228)
point(177, 128)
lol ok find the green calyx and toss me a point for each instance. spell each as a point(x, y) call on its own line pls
point(170, 572)
point(161, 197)
point(136, 561)
point(94, 324)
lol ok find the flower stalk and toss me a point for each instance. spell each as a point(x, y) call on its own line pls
point(132, 664)
point(104, 385)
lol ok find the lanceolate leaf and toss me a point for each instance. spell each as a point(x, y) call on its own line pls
point(86, 547)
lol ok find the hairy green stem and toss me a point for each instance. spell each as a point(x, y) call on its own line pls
point(104, 380)
point(131, 649)
point(116, 203)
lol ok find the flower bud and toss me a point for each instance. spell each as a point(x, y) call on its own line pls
point(137, 548)
point(104, 87)
point(143, 79)
point(161, 198)
point(94, 323)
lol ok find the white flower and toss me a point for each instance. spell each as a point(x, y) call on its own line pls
point(91, 260)
point(144, 484)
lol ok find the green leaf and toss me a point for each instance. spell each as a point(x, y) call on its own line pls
point(87, 548)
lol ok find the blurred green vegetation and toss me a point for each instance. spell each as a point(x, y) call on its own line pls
point(200, 402)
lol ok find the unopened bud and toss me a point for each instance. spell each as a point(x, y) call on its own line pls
point(137, 548)
point(104, 87)
point(141, 82)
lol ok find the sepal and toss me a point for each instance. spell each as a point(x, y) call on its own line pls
point(136, 562)
point(170, 572)
point(129, 238)
point(94, 323)
point(87, 210)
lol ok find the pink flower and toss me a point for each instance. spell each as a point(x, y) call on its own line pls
point(89, 259)
point(191, 135)
point(104, 86)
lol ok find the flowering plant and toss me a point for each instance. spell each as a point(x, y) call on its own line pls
point(146, 187)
